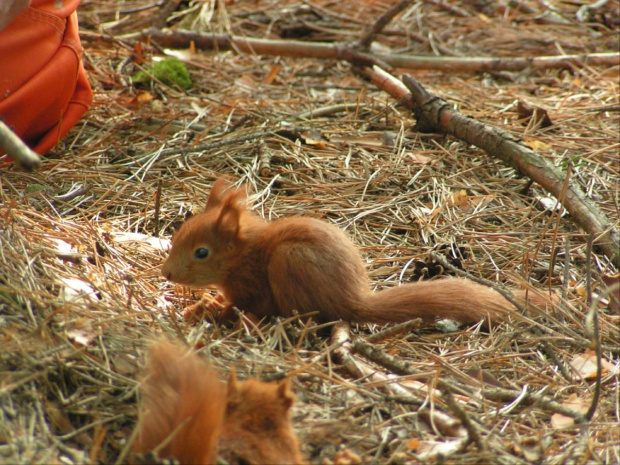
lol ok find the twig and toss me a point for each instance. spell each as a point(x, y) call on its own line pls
point(546, 17)
point(83, 189)
point(472, 430)
point(297, 48)
point(395, 330)
point(17, 150)
point(264, 158)
point(528, 398)
point(341, 338)
point(592, 325)
point(331, 109)
point(370, 33)
point(396, 365)
point(166, 10)
point(157, 206)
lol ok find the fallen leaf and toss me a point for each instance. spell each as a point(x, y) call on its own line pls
point(157, 243)
point(144, 97)
point(530, 448)
point(484, 377)
point(273, 72)
point(613, 281)
point(538, 145)
point(347, 457)
point(538, 115)
point(418, 159)
point(81, 332)
point(413, 444)
point(246, 83)
point(443, 423)
point(321, 144)
point(585, 365)
point(550, 204)
point(460, 198)
point(573, 402)
point(431, 450)
point(77, 291)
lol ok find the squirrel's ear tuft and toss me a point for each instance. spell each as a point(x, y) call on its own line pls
point(286, 396)
point(223, 192)
point(228, 222)
point(218, 194)
point(233, 384)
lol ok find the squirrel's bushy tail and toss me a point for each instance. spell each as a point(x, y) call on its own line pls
point(183, 406)
point(452, 298)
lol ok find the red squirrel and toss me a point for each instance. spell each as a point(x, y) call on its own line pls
point(309, 265)
point(188, 414)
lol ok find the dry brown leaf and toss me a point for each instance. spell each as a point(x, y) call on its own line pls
point(81, 332)
point(321, 144)
point(58, 417)
point(273, 73)
point(77, 291)
point(460, 199)
point(246, 83)
point(418, 159)
point(539, 115)
point(573, 402)
point(537, 145)
point(443, 423)
point(585, 365)
point(143, 97)
point(530, 448)
point(431, 450)
point(347, 457)
point(614, 295)
point(157, 243)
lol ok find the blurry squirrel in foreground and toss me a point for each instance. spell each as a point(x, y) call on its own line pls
point(304, 264)
point(186, 407)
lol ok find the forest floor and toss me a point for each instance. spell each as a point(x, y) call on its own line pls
point(83, 238)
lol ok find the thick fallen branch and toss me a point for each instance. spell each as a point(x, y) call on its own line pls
point(296, 48)
point(434, 113)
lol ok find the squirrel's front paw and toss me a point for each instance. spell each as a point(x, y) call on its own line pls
point(207, 306)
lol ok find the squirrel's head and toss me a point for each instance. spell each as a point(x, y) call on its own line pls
point(208, 243)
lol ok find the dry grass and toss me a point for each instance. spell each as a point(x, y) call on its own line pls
point(68, 363)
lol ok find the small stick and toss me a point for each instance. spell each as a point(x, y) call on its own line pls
point(17, 150)
point(395, 330)
point(592, 325)
point(264, 159)
point(471, 428)
point(528, 398)
point(370, 33)
point(157, 206)
point(83, 189)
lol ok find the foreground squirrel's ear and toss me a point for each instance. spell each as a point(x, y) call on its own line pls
point(233, 384)
point(227, 224)
point(286, 396)
point(218, 194)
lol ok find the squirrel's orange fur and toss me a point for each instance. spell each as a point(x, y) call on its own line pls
point(195, 416)
point(304, 264)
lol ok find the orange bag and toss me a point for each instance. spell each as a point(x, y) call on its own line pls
point(43, 86)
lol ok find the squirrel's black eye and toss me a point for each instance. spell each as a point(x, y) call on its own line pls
point(201, 253)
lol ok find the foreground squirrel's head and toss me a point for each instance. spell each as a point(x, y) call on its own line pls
point(208, 243)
